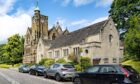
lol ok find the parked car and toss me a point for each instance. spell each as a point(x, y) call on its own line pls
point(24, 68)
point(107, 74)
point(37, 70)
point(60, 71)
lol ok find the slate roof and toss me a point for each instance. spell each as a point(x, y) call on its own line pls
point(77, 36)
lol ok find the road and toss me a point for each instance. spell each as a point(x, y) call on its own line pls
point(8, 76)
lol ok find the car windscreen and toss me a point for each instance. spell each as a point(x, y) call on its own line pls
point(68, 66)
point(130, 69)
point(41, 67)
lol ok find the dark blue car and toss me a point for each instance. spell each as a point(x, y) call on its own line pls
point(24, 68)
point(37, 70)
point(107, 74)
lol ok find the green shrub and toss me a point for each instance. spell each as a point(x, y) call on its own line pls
point(85, 62)
point(17, 65)
point(72, 57)
point(49, 62)
point(43, 61)
point(61, 61)
point(73, 63)
point(78, 67)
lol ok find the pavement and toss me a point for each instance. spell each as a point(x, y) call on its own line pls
point(12, 76)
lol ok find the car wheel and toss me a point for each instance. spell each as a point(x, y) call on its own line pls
point(30, 73)
point(77, 81)
point(57, 77)
point(21, 71)
point(36, 74)
point(45, 75)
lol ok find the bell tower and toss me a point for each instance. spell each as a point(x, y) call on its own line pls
point(38, 30)
point(39, 25)
point(36, 24)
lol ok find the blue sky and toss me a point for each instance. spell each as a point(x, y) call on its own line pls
point(15, 15)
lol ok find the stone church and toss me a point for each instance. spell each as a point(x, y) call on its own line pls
point(99, 41)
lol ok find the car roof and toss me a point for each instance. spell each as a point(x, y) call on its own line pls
point(63, 63)
point(108, 65)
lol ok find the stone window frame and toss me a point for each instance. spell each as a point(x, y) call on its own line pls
point(50, 54)
point(106, 60)
point(57, 54)
point(76, 51)
point(114, 60)
point(65, 52)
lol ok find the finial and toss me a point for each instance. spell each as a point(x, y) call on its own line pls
point(36, 7)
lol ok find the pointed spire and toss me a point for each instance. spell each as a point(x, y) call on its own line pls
point(36, 7)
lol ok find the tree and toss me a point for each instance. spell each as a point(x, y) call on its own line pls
point(121, 11)
point(1, 53)
point(13, 50)
point(132, 39)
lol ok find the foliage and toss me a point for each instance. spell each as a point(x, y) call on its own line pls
point(134, 64)
point(13, 50)
point(85, 62)
point(78, 67)
point(1, 53)
point(132, 39)
point(72, 57)
point(61, 60)
point(73, 63)
point(49, 62)
point(4, 66)
point(122, 10)
point(43, 61)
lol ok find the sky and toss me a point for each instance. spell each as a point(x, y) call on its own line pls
point(15, 15)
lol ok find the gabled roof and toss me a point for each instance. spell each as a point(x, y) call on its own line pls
point(29, 31)
point(77, 36)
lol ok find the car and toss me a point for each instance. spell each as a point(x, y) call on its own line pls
point(60, 71)
point(107, 74)
point(37, 70)
point(24, 68)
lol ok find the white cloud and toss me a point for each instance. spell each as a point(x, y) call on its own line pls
point(66, 2)
point(61, 21)
point(16, 23)
point(6, 6)
point(82, 2)
point(63, 2)
point(103, 3)
point(84, 22)
point(97, 20)
point(79, 22)
point(77, 3)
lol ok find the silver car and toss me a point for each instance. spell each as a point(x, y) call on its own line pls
point(60, 71)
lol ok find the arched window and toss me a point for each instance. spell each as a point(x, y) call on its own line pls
point(110, 38)
point(86, 51)
point(53, 36)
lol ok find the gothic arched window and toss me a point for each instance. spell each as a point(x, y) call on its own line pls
point(110, 38)
point(53, 36)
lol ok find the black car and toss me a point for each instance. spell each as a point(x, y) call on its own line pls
point(37, 70)
point(107, 74)
point(24, 68)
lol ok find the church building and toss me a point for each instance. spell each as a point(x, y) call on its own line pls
point(99, 41)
